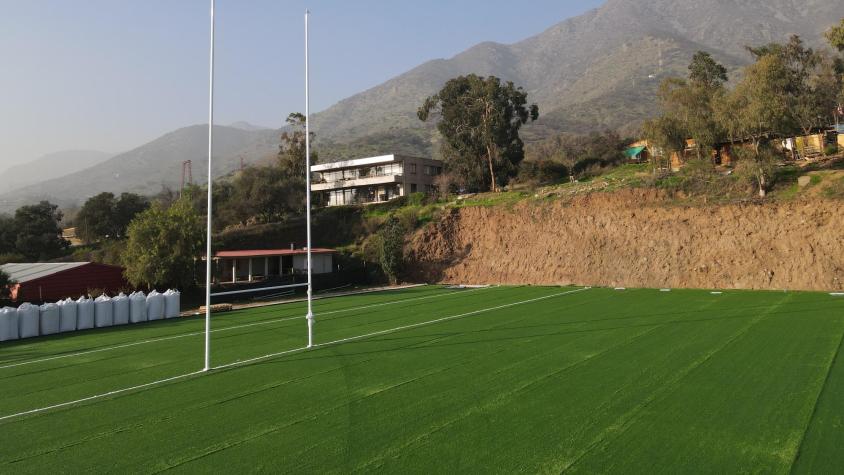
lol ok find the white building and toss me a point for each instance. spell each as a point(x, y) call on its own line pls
point(374, 179)
point(256, 265)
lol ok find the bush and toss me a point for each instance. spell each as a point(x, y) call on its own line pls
point(542, 172)
point(417, 199)
point(409, 217)
point(11, 257)
point(830, 149)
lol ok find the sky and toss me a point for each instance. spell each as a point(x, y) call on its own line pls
point(111, 75)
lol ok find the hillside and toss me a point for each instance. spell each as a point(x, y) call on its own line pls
point(635, 238)
point(50, 166)
point(148, 168)
point(594, 71)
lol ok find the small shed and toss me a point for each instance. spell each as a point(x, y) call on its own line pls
point(252, 265)
point(46, 281)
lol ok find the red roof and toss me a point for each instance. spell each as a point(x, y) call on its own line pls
point(272, 252)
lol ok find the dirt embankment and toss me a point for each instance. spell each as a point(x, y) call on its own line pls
point(634, 239)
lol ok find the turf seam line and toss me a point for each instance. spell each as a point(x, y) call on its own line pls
point(817, 402)
point(236, 327)
point(397, 329)
point(623, 422)
point(282, 353)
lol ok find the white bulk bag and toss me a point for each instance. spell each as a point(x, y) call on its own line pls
point(67, 311)
point(121, 309)
point(28, 320)
point(84, 313)
point(155, 306)
point(103, 312)
point(137, 307)
point(172, 304)
point(50, 318)
point(8, 324)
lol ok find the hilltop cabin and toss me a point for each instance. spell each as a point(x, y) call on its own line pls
point(258, 265)
point(42, 282)
point(792, 148)
point(374, 179)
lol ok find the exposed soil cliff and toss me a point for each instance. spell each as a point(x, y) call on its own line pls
point(635, 239)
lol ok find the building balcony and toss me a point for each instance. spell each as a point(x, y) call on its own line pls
point(357, 182)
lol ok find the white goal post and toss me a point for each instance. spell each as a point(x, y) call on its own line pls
point(208, 256)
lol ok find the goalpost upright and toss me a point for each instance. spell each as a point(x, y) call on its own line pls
point(208, 257)
point(310, 315)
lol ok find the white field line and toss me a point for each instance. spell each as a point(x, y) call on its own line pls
point(397, 329)
point(282, 353)
point(99, 396)
point(236, 327)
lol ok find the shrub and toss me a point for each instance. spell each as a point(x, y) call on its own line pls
point(11, 258)
point(830, 149)
point(409, 217)
point(417, 199)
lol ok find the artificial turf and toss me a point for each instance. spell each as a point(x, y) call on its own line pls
point(522, 379)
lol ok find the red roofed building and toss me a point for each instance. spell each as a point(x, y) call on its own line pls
point(252, 265)
point(45, 282)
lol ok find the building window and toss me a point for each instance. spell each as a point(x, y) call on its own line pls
point(413, 169)
point(413, 187)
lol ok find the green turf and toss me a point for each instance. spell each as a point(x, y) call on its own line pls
point(524, 379)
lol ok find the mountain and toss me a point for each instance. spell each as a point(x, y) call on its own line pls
point(150, 167)
point(598, 70)
point(595, 71)
point(50, 166)
point(243, 125)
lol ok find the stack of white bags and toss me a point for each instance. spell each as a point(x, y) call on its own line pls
point(69, 315)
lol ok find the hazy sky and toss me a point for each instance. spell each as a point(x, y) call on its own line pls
point(113, 74)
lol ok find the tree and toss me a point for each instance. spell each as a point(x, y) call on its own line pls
point(7, 234)
point(163, 244)
point(5, 282)
point(706, 72)
point(759, 107)
point(480, 120)
point(291, 154)
point(392, 248)
point(104, 217)
point(37, 230)
point(94, 221)
point(835, 35)
point(810, 80)
point(667, 135)
point(126, 208)
point(818, 95)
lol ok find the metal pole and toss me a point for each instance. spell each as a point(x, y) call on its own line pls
point(310, 315)
point(208, 256)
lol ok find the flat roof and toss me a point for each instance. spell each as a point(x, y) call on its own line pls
point(21, 273)
point(358, 162)
point(361, 162)
point(272, 252)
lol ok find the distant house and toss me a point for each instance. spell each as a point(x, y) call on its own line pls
point(69, 234)
point(255, 265)
point(638, 152)
point(42, 282)
point(374, 179)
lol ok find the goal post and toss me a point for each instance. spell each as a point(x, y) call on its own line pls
point(208, 248)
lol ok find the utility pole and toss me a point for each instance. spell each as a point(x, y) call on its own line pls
point(187, 175)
